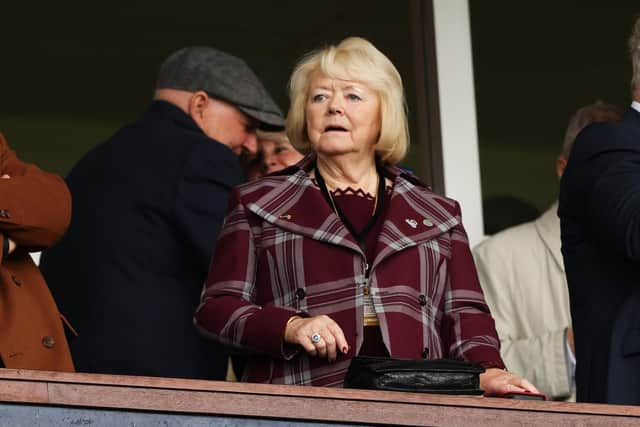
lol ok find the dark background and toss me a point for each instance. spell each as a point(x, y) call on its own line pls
point(73, 72)
point(535, 64)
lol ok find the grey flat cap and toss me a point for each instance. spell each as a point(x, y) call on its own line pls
point(222, 76)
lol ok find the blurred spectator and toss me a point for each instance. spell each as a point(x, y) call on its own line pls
point(276, 151)
point(148, 205)
point(600, 218)
point(522, 275)
point(34, 213)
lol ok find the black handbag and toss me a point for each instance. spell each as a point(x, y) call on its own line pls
point(442, 376)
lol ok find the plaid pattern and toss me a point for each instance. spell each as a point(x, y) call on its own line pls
point(283, 251)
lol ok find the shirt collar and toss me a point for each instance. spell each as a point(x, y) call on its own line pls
point(636, 106)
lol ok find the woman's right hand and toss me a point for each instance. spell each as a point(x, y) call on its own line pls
point(302, 330)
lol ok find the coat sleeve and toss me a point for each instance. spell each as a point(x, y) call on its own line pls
point(468, 329)
point(209, 175)
point(35, 206)
point(540, 358)
point(228, 311)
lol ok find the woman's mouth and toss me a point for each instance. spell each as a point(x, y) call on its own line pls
point(335, 128)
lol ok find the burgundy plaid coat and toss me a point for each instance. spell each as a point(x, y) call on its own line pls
point(283, 251)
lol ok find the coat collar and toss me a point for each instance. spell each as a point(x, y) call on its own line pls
point(414, 215)
point(631, 115)
point(166, 110)
point(548, 228)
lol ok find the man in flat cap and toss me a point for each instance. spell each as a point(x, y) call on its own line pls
point(148, 205)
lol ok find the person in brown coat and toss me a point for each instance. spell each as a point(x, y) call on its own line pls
point(35, 210)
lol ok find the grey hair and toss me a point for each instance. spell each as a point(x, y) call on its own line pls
point(593, 113)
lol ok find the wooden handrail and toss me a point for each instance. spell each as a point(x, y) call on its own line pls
point(216, 398)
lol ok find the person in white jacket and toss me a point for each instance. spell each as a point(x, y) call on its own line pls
point(522, 275)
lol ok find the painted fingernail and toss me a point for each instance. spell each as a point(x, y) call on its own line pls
point(345, 349)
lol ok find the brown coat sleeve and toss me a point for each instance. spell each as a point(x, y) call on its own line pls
point(35, 206)
point(35, 209)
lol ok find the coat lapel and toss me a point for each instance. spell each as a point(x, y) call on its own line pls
point(415, 215)
point(297, 205)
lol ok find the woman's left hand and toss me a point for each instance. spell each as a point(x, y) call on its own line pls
point(496, 381)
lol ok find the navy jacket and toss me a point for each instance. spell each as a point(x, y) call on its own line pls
point(148, 205)
point(600, 219)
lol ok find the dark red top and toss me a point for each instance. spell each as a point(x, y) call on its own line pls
point(358, 207)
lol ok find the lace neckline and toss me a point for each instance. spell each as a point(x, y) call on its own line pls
point(350, 191)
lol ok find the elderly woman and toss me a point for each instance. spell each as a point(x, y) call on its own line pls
point(276, 151)
point(347, 254)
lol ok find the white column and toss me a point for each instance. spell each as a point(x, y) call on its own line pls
point(461, 162)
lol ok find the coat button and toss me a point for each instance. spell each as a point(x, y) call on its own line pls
point(16, 280)
point(301, 293)
point(425, 353)
point(365, 290)
point(422, 299)
point(48, 341)
point(4, 213)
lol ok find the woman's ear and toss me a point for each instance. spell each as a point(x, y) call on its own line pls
point(197, 104)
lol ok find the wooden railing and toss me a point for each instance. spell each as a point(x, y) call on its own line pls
point(83, 397)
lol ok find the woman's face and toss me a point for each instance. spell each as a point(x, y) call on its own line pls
point(343, 116)
point(278, 155)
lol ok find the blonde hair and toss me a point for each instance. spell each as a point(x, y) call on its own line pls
point(634, 50)
point(593, 113)
point(355, 59)
point(277, 137)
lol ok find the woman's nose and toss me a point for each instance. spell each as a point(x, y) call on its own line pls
point(335, 106)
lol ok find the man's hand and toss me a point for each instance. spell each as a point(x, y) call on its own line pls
point(12, 244)
point(571, 341)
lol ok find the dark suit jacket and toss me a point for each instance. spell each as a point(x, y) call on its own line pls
point(600, 218)
point(147, 208)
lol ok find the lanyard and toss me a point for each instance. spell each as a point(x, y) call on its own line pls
point(360, 237)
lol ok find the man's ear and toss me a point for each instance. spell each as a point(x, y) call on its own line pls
point(561, 165)
point(197, 104)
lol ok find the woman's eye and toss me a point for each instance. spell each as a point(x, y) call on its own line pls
point(319, 97)
point(279, 150)
point(353, 97)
